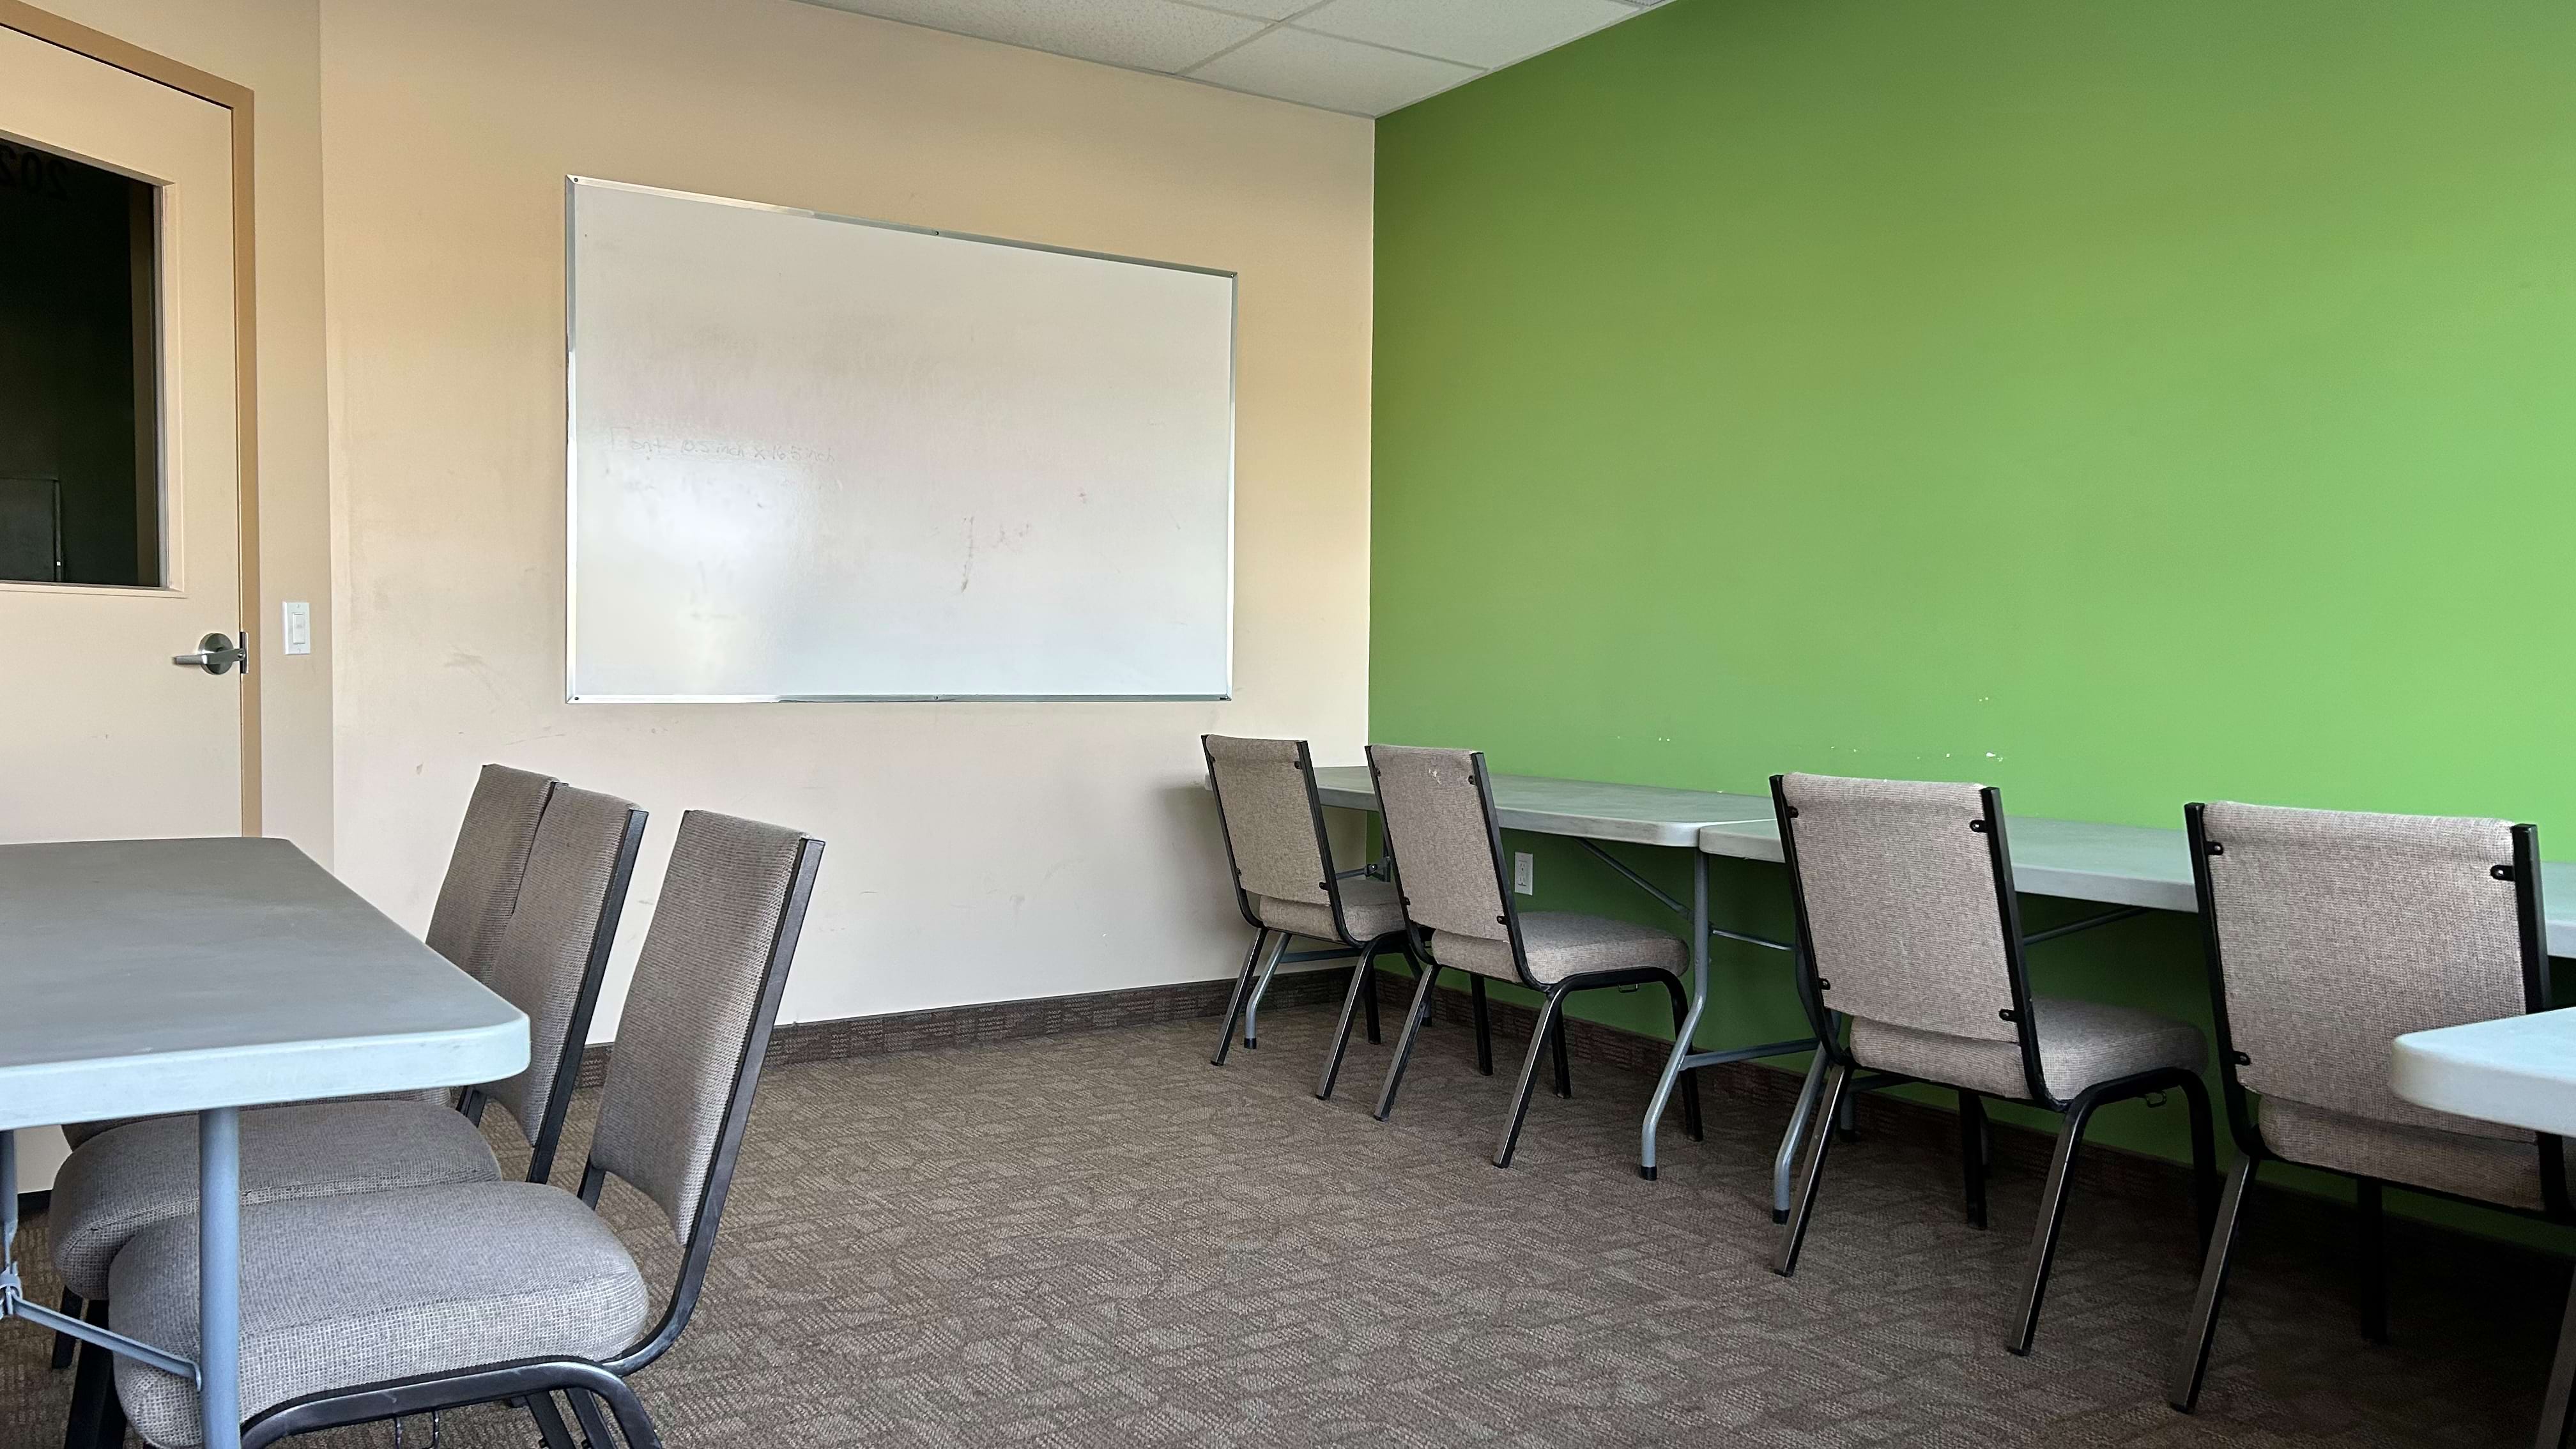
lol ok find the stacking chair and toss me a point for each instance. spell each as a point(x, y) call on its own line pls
point(547, 959)
point(1908, 929)
point(363, 1307)
point(474, 900)
point(1285, 885)
point(476, 895)
point(1456, 893)
point(2329, 935)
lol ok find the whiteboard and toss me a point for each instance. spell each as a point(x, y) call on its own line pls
point(815, 458)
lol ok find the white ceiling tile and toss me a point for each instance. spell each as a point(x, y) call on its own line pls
point(1146, 34)
point(1484, 33)
point(1319, 70)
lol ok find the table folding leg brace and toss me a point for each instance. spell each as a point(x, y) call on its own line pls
point(1683, 1057)
point(217, 1369)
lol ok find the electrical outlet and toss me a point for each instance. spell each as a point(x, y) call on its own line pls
point(1524, 874)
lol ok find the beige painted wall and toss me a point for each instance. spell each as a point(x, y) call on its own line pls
point(273, 47)
point(978, 851)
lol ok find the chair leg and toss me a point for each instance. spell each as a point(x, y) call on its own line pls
point(1484, 1028)
point(1564, 1071)
point(594, 1429)
point(550, 1424)
point(1794, 1236)
point(1972, 1154)
point(1369, 998)
point(1689, 1077)
point(632, 1422)
point(2370, 1261)
point(2052, 1216)
point(1242, 991)
point(65, 1345)
point(93, 1388)
point(1427, 973)
point(2555, 1406)
point(1550, 1023)
point(2204, 1155)
point(2191, 1357)
point(1361, 975)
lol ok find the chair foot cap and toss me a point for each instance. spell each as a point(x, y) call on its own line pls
point(1779, 1215)
point(1646, 1170)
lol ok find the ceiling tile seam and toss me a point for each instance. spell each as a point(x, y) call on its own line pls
point(1291, 24)
point(1120, 65)
point(1486, 70)
point(1418, 54)
point(1214, 7)
point(1280, 23)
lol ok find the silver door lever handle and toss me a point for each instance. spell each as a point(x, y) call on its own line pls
point(216, 654)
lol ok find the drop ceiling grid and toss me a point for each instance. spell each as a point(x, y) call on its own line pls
point(1365, 57)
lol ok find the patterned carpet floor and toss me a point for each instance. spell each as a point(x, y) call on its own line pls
point(1098, 1240)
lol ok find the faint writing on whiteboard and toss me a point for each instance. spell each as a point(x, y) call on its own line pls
point(730, 449)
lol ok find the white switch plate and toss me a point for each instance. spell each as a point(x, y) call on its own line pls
point(1524, 874)
point(298, 632)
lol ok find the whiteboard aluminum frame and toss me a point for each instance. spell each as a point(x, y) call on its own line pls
point(572, 455)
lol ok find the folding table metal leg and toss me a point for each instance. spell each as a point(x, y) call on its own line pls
point(1261, 988)
point(1784, 1162)
point(219, 1276)
point(1690, 1021)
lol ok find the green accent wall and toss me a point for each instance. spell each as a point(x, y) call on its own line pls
point(2120, 402)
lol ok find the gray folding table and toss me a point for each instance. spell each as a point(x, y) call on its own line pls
point(1591, 813)
point(150, 977)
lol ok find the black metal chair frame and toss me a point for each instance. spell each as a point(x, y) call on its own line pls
point(585, 1005)
point(1550, 1027)
point(96, 1418)
point(1247, 989)
point(2191, 1361)
point(581, 1381)
point(2077, 1111)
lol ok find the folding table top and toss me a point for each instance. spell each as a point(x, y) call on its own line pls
point(151, 976)
point(1638, 814)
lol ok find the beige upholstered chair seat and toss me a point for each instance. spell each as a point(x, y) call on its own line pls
point(124, 1182)
point(1369, 907)
point(2081, 1044)
point(2494, 1169)
point(1562, 945)
point(357, 1289)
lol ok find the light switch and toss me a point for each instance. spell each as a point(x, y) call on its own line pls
point(298, 633)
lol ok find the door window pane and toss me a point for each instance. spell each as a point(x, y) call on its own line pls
point(80, 446)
